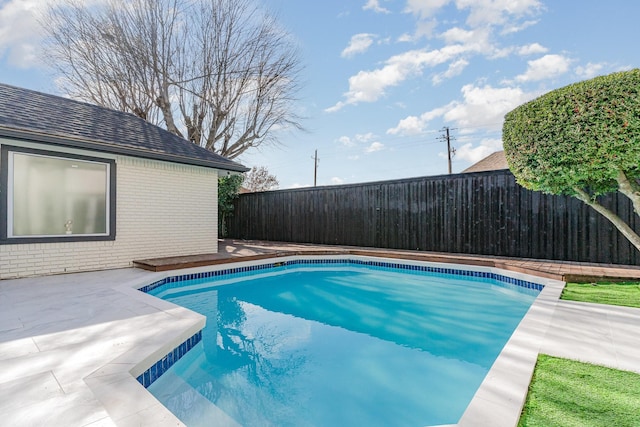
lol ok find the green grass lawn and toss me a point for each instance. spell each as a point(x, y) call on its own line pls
point(566, 393)
point(620, 293)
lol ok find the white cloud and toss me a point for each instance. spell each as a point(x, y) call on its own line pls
point(413, 125)
point(459, 45)
point(473, 154)
point(457, 35)
point(408, 126)
point(376, 146)
point(336, 180)
point(20, 32)
point(364, 137)
point(549, 66)
point(497, 12)
point(482, 13)
point(590, 70)
point(455, 69)
point(425, 8)
point(481, 107)
point(369, 86)
point(422, 29)
point(374, 5)
point(346, 141)
point(425, 29)
point(359, 43)
point(485, 106)
point(298, 185)
point(336, 107)
point(477, 40)
point(514, 28)
point(532, 49)
point(405, 38)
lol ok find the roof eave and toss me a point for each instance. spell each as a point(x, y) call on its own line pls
point(85, 144)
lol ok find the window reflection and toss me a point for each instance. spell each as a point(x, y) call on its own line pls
point(57, 197)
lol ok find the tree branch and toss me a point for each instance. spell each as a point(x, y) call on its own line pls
point(625, 229)
point(630, 190)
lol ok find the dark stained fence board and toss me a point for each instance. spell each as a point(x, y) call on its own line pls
point(485, 213)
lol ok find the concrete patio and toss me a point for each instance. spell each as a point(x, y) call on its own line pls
point(69, 342)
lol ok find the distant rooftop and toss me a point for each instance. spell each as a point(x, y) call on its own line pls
point(40, 117)
point(494, 161)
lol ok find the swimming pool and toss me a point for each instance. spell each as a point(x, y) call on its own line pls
point(339, 343)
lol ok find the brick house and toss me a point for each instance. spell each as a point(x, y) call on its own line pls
point(85, 188)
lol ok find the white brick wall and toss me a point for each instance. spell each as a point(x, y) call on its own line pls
point(163, 209)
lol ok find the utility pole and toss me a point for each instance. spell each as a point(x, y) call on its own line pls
point(450, 151)
point(315, 168)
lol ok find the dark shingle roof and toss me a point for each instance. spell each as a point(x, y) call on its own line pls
point(494, 161)
point(40, 117)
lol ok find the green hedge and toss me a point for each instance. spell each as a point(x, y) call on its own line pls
point(577, 136)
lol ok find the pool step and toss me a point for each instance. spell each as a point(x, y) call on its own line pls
point(196, 411)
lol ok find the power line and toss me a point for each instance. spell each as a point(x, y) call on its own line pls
point(403, 143)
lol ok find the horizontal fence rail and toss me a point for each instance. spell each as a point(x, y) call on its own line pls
point(484, 213)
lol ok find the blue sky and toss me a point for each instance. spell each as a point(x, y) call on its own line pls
point(383, 77)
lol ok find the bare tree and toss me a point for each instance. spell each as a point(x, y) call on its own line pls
point(259, 179)
point(220, 73)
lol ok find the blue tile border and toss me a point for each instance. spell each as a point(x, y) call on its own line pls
point(383, 264)
point(161, 366)
point(425, 268)
point(208, 274)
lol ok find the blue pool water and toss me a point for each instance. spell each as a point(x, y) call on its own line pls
point(338, 345)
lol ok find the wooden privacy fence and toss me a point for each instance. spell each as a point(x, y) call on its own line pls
point(484, 213)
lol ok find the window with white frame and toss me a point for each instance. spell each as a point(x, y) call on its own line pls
point(56, 196)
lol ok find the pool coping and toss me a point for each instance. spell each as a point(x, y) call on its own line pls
point(501, 396)
point(115, 385)
point(499, 399)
